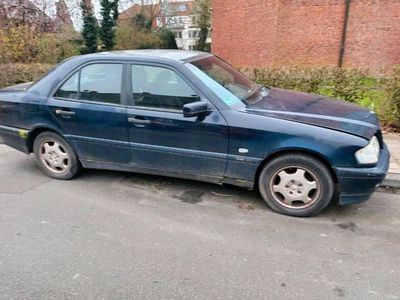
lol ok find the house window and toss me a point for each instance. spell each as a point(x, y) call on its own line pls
point(170, 21)
point(178, 34)
point(182, 7)
point(159, 22)
point(194, 34)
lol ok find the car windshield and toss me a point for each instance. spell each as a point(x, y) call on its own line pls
point(232, 86)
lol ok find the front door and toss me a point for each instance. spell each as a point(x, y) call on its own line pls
point(161, 138)
point(88, 109)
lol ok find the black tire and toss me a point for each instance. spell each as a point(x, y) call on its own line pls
point(282, 192)
point(67, 159)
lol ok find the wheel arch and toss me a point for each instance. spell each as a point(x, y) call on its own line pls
point(313, 154)
point(35, 132)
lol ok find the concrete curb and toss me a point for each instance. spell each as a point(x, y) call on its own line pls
point(392, 180)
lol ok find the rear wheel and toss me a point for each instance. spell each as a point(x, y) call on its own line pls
point(296, 185)
point(55, 156)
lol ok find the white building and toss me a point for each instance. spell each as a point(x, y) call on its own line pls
point(176, 15)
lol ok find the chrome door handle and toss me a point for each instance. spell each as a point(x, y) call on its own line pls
point(139, 121)
point(64, 113)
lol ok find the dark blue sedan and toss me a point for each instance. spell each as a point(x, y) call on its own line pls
point(192, 115)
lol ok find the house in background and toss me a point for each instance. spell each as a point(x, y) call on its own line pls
point(362, 33)
point(176, 15)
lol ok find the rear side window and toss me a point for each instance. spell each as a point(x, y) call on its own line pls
point(69, 89)
point(96, 82)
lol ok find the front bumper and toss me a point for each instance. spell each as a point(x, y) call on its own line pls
point(358, 184)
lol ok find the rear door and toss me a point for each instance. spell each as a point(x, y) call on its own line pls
point(88, 108)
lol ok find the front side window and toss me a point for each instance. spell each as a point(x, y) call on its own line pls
point(96, 82)
point(101, 83)
point(162, 88)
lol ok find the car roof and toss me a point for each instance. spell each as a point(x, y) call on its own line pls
point(176, 55)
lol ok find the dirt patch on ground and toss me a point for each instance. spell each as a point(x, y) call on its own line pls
point(389, 190)
point(191, 197)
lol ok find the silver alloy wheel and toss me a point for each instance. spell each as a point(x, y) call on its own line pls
point(295, 187)
point(54, 156)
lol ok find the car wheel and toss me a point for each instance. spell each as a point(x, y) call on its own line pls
point(296, 185)
point(55, 156)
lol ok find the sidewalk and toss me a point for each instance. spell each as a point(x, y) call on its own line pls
point(393, 142)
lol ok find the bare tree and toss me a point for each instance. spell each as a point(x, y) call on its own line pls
point(152, 8)
point(49, 7)
point(202, 12)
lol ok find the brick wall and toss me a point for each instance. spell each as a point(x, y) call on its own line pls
point(307, 32)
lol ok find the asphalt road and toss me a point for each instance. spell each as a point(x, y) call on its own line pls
point(117, 235)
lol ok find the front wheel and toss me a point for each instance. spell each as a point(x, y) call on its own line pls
point(296, 185)
point(55, 156)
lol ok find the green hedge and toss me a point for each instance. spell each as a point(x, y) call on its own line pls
point(11, 74)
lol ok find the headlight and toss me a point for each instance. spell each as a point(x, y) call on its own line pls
point(370, 153)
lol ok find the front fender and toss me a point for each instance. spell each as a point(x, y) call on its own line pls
point(264, 137)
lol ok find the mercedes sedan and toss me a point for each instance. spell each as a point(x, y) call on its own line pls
point(192, 115)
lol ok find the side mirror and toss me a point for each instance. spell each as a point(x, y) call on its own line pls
point(195, 109)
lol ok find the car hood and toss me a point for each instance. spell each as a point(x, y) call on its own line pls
point(316, 110)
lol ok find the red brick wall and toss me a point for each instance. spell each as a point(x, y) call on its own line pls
point(307, 32)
